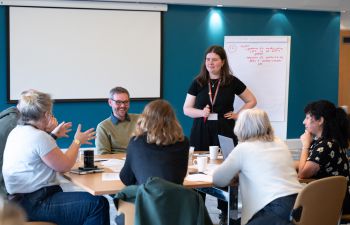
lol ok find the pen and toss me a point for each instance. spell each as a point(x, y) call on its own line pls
point(100, 160)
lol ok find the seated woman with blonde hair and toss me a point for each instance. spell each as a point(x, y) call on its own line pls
point(32, 159)
point(267, 178)
point(158, 147)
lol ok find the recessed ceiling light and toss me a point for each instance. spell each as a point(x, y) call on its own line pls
point(343, 11)
point(219, 5)
point(284, 8)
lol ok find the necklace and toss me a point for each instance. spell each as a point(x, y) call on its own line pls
point(214, 82)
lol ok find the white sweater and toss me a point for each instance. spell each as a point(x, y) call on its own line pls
point(266, 172)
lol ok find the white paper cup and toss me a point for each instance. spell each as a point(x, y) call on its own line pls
point(201, 163)
point(213, 152)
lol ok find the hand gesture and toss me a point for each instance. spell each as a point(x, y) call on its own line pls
point(85, 137)
point(51, 124)
point(206, 111)
point(62, 129)
point(231, 116)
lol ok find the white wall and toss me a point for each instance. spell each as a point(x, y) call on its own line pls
point(345, 21)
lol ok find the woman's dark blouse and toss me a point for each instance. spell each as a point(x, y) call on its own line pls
point(332, 160)
point(144, 160)
point(204, 134)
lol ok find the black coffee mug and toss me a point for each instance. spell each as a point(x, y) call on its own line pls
point(89, 159)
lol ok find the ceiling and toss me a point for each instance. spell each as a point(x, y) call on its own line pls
point(323, 5)
point(314, 5)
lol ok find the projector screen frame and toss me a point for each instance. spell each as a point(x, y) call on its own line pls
point(159, 96)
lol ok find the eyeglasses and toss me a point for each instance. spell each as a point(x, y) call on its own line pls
point(118, 102)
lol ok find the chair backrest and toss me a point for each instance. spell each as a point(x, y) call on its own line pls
point(160, 202)
point(320, 202)
point(8, 121)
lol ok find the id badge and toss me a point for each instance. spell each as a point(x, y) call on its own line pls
point(213, 116)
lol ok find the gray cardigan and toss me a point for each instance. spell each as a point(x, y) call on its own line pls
point(8, 121)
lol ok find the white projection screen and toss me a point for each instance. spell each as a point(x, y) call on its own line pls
point(80, 54)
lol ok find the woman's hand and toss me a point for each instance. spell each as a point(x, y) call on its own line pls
point(306, 139)
point(62, 129)
point(231, 115)
point(206, 111)
point(51, 124)
point(85, 137)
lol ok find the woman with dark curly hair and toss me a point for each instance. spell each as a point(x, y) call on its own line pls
point(325, 142)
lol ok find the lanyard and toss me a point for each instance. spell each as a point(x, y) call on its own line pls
point(211, 98)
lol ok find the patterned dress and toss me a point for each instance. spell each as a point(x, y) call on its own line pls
point(333, 161)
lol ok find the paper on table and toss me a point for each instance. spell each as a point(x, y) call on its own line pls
point(199, 177)
point(115, 165)
point(110, 176)
point(211, 168)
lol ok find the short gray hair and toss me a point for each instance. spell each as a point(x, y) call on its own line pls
point(253, 124)
point(33, 105)
point(118, 90)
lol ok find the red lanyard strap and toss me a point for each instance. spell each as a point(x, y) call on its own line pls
point(211, 98)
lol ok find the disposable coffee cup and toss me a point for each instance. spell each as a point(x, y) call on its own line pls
point(89, 159)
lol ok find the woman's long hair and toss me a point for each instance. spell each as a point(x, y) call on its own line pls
point(158, 121)
point(226, 75)
point(336, 123)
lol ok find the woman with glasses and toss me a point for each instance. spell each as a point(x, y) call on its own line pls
point(32, 160)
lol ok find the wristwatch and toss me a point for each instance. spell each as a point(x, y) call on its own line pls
point(76, 141)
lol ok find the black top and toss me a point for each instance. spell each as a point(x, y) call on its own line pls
point(204, 134)
point(225, 97)
point(332, 160)
point(145, 160)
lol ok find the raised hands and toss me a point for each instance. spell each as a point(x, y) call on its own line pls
point(86, 136)
point(62, 129)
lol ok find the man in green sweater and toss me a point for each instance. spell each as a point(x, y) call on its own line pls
point(113, 134)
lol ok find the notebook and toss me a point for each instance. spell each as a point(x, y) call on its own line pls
point(226, 145)
point(81, 170)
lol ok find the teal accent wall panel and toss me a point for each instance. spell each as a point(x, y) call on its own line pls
point(189, 30)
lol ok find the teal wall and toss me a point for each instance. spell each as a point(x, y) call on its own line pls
point(189, 30)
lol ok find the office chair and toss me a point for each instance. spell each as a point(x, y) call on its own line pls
point(128, 209)
point(320, 202)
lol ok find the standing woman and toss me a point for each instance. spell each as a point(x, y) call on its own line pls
point(325, 142)
point(32, 160)
point(210, 100)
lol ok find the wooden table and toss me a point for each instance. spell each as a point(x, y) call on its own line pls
point(94, 184)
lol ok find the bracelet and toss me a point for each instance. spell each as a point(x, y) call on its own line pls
point(77, 141)
point(53, 136)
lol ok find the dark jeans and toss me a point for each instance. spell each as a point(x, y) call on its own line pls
point(64, 208)
point(276, 212)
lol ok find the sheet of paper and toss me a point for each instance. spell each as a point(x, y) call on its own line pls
point(114, 164)
point(110, 176)
point(199, 177)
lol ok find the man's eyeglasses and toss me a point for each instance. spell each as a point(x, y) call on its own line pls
point(118, 102)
